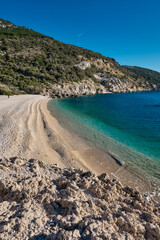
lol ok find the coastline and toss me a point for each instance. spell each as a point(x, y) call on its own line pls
point(98, 161)
point(30, 131)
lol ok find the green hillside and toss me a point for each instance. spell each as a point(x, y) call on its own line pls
point(31, 62)
point(148, 74)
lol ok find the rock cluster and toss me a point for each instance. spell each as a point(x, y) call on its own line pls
point(117, 85)
point(74, 89)
point(40, 201)
point(104, 84)
point(83, 65)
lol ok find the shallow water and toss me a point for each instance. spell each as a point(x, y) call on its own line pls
point(126, 125)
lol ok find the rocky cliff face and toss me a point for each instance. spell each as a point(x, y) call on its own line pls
point(74, 89)
point(108, 78)
point(103, 82)
point(90, 87)
point(40, 201)
point(115, 84)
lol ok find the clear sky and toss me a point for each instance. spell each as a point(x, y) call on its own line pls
point(127, 30)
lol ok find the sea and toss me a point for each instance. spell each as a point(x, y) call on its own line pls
point(124, 125)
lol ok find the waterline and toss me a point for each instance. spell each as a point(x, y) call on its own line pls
point(117, 124)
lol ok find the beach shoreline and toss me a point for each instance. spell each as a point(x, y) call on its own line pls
point(29, 130)
point(98, 161)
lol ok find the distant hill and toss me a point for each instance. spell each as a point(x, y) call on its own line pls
point(31, 62)
point(148, 74)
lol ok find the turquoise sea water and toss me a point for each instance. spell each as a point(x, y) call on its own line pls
point(126, 125)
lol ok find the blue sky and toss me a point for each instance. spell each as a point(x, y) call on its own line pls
point(126, 30)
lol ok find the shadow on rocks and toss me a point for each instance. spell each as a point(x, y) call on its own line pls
point(44, 237)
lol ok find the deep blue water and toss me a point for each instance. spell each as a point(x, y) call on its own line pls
point(126, 125)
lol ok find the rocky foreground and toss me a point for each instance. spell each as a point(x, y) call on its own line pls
point(40, 201)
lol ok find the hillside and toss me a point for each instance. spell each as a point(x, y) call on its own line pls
point(31, 62)
point(150, 75)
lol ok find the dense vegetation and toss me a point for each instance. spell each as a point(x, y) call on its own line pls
point(150, 75)
point(30, 61)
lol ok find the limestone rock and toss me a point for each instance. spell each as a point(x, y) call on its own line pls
point(41, 201)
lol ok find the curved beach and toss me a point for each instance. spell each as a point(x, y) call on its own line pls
point(28, 130)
